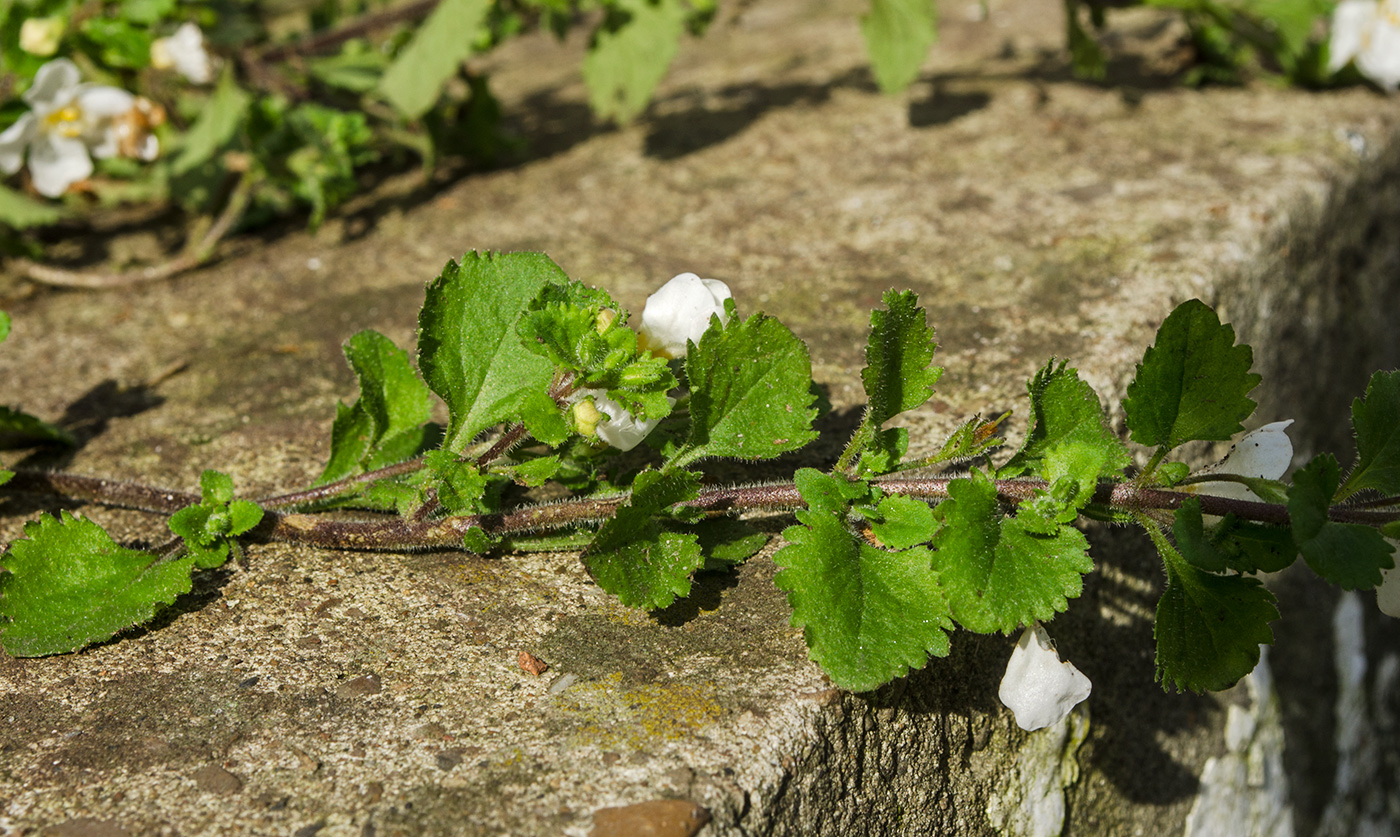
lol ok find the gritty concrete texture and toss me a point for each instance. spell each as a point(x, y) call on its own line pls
point(315, 692)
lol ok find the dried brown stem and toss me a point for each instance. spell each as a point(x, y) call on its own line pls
point(194, 254)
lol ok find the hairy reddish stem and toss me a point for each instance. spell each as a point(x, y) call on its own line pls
point(416, 533)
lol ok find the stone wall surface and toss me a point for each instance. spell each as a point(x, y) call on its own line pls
point(315, 692)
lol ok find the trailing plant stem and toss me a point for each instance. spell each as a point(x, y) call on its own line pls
point(447, 532)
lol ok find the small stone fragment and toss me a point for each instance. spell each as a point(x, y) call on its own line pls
point(429, 730)
point(373, 791)
point(214, 779)
point(448, 759)
point(369, 684)
point(533, 664)
point(657, 818)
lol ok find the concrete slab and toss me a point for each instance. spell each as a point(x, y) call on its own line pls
point(314, 692)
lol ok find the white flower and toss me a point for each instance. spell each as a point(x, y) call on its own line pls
point(1388, 593)
point(1038, 688)
point(616, 426)
point(679, 311)
point(1367, 32)
point(40, 35)
point(67, 122)
point(1264, 453)
point(185, 52)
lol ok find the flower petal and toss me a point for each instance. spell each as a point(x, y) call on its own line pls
point(53, 84)
point(187, 53)
point(679, 311)
point(1388, 593)
point(1380, 59)
point(55, 163)
point(1349, 21)
point(621, 430)
point(1038, 688)
point(14, 140)
point(1264, 453)
point(98, 101)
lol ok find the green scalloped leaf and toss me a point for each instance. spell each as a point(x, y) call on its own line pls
point(869, 615)
point(468, 349)
point(388, 422)
point(1209, 627)
point(751, 392)
point(999, 572)
point(1069, 438)
point(1346, 554)
point(1376, 420)
point(899, 374)
point(67, 584)
point(1193, 383)
point(634, 556)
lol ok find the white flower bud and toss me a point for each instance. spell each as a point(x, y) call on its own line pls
point(679, 311)
point(184, 51)
point(40, 35)
point(620, 429)
point(1038, 688)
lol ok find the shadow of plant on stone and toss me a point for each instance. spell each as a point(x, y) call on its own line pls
point(942, 106)
point(696, 119)
point(706, 594)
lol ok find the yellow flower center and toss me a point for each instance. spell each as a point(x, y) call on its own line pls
point(66, 121)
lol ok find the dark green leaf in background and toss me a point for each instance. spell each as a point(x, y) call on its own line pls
point(1346, 554)
point(216, 126)
point(448, 37)
point(21, 212)
point(629, 55)
point(1376, 421)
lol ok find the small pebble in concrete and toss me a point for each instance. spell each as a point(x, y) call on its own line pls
point(562, 682)
point(369, 684)
point(657, 818)
point(448, 759)
point(215, 779)
point(532, 664)
point(429, 730)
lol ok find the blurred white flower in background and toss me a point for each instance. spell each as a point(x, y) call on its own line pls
point(1038, 688)
point(40, 35)
point(184, 51)
point(1367, 32)
point(69, 123)
point(679, 311)
point(1388, 593)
